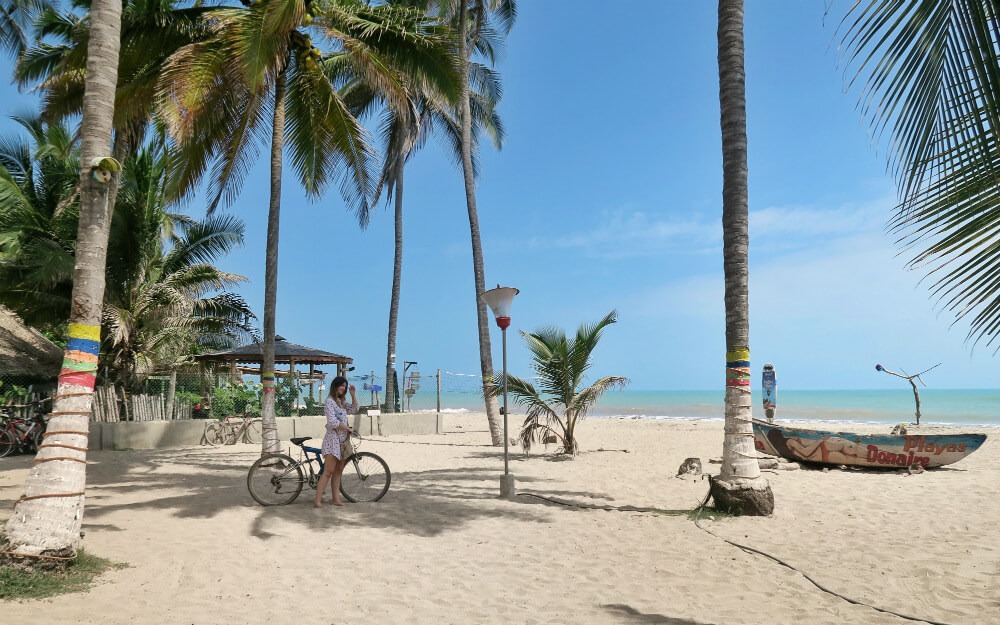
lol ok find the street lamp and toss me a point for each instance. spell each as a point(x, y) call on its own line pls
point(499, 301)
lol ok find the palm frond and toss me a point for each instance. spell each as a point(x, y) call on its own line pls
point(929, 77)
point(325, 139)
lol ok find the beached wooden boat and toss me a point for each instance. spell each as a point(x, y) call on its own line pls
point(875, 451)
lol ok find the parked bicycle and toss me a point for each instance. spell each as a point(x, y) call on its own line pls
point(233, 429)
point(277, 479)
point(22, 434)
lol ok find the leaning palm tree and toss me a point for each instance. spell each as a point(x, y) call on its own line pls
point(928, 74)
point(404, 132)
point(477, 22)
point(557, 404)
point(47, 518)
point(739, 486)
point(216, 95)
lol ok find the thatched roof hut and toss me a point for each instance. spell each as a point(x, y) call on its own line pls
point(24, 352)
point(285, 352)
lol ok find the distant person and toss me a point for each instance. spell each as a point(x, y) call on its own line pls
point(337, 442)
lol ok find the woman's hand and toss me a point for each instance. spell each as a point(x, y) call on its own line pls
point(352, 389)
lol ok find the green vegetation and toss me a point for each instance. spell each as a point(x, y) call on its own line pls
point(17, 583)
point(560, 365)
point(236, 399)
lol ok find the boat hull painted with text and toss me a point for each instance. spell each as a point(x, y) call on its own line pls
point(873, 451)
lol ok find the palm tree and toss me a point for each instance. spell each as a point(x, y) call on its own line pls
point(165, 301)
point(402, 132)
point(39, 175)
point(928, 75)
point(216, 94)
point(15, 17)
point(560, 364)
point(739, 486)
point(160, 300)
point(47, 518)
point(152, 31)
point(475, 21)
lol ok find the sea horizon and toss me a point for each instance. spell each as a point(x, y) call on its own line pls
point(963, 407)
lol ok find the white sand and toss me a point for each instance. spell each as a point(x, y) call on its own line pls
point(443, 548)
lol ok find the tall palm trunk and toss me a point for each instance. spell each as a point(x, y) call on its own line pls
point(739, 487)
point(269, 424)
point(485, 353)
point(397, 277)
point(47, 518)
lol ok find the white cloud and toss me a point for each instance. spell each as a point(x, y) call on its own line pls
point(630, 233)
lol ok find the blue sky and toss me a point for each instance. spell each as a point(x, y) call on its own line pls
point(607, 195)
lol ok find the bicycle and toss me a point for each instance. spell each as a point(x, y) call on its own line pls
point(277, 479)
point(20, 434)
point(230, 429)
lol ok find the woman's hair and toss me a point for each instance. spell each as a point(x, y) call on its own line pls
point(337, 381)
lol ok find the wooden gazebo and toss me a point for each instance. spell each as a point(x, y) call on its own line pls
point(285, 353)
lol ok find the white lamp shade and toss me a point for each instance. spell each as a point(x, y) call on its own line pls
point(499, 300)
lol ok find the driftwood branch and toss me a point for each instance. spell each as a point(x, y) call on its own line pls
point(909, 378)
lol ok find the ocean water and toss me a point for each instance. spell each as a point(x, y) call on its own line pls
point(937, 406)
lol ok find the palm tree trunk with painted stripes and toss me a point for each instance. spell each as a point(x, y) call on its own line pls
point(44, 527)
point(739, 487)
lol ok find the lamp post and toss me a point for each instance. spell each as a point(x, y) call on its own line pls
point(499, 301)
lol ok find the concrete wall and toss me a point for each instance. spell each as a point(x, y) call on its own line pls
point(180, 433)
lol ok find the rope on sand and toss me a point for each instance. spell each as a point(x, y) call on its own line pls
point(802, 573)
point(746, 548)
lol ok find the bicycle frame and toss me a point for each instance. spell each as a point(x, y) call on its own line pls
point(22, 428)
point(317, 456)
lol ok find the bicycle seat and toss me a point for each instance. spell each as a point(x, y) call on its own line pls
point(298, 440)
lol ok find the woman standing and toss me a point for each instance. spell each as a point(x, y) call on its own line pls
point(337, 440)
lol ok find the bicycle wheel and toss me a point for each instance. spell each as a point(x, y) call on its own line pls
point(227, 433)
point(36, 438)
point(213, 435)
point(366, 478)
point(275, 480)
point(7, 443)
point(251, 433)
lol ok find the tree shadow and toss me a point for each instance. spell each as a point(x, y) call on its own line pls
point(195, 484)
point(632, 615)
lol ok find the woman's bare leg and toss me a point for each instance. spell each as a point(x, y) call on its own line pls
point(329, 467)
point(338, 472)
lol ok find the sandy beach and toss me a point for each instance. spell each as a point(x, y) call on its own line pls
point(442, 548)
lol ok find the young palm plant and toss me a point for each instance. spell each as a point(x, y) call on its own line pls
point(558, 403)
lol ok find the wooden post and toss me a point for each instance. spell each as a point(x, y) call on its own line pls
point(294, 384)
point(440, 423)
